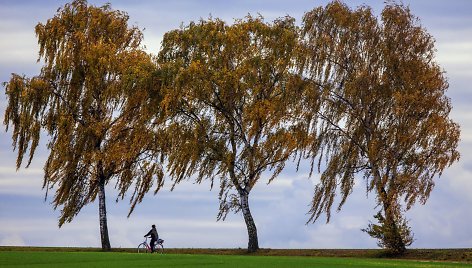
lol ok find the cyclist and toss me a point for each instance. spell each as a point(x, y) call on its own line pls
point(154, 236)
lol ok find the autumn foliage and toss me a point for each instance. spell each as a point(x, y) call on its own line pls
point(92, 100)
point(384, 112)
point(233, 101)
point(346, 93)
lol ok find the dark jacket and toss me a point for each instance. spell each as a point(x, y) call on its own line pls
point(153, 233)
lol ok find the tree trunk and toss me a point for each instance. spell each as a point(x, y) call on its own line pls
point(392, 238)
point(253, 244)
point(103, 216)
point(393, 235)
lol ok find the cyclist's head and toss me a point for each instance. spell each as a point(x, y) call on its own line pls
point(153, 226)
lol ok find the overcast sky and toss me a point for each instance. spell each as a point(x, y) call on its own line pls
point(186, 217)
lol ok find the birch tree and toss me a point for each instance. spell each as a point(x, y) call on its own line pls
point(234, 104)
point(92, 99)
point(384, 112)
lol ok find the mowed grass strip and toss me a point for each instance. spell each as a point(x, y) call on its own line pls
point(463, 255)
point(118, 259)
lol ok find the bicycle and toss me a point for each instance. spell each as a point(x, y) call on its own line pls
point(145, 248)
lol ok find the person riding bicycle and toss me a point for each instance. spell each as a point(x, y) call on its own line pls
point(154, 236)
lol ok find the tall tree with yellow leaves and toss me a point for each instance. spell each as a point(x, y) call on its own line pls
point(92, 99)
point(383, 112)
point(234, 105)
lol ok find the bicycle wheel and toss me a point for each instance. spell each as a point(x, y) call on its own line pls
point(159, 248)
point(142, 248)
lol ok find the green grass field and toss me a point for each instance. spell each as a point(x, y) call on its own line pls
point(120, 259)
